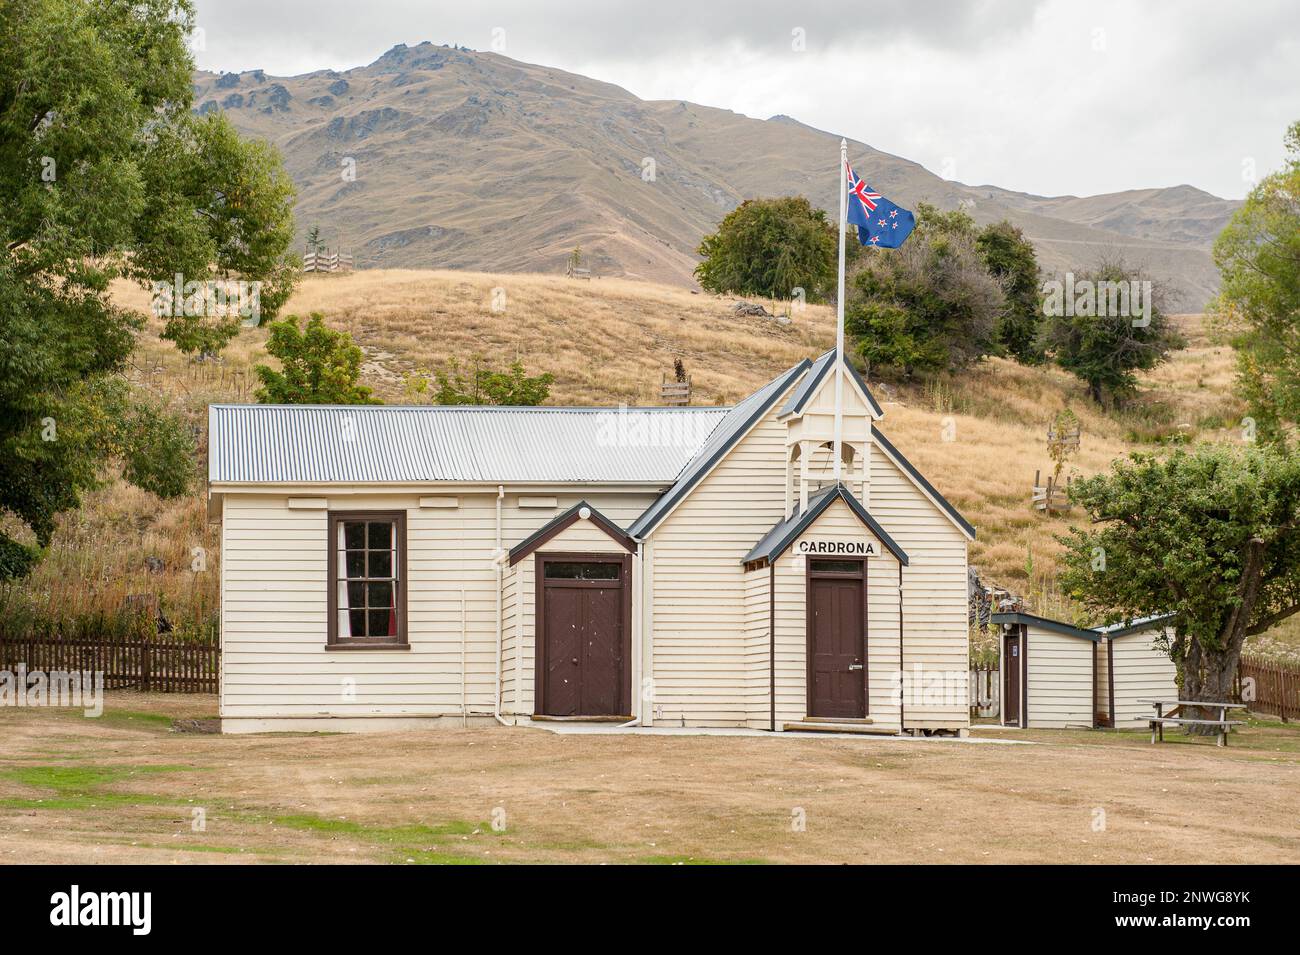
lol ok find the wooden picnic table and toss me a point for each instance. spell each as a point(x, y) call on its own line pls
point(1161, 718)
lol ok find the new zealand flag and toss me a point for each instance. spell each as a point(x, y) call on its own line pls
point(880, 223)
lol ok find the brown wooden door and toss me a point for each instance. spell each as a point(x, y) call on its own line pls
point(837, 686)
point(584, 641)
point(1011, 679)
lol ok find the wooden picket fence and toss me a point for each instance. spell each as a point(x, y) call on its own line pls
point(323, 260)
point(985, 692)
point(154, 663)
point(674, 392)
point(1275, 688)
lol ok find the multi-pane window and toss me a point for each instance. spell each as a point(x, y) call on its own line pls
point(366, 566)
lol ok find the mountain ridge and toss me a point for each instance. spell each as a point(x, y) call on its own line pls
point(471, 160)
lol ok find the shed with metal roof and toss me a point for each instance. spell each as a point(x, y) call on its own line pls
point(1058, 675)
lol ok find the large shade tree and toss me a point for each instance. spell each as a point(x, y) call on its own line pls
point(1258, 255)
point(771, 247)
point(1210, 534)
point(1116, 325)
point(105, 173)
point(930, 306)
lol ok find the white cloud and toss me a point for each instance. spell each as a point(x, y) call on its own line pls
point(1050, 97)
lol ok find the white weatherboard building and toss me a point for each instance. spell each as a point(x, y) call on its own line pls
point(1057, 676)
point(387, 567)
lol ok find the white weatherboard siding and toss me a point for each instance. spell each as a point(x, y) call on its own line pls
point(704, 630)
point(700, 644)
point(1142, 671)
point(521, 616)
point(1059, 690)
point(934, 585)
point(758, 647)
point(1101, 699)
point(274, 607)
point(837, 523)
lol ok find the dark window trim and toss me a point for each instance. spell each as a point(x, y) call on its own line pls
point(333, 641)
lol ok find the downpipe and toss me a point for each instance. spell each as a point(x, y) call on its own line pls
point(499, 560)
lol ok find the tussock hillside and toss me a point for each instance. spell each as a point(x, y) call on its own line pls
point(610, 341)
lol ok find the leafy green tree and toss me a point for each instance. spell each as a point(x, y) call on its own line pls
point(1211, 534)
point(1110, 324)
point(1010, 259)
point(1258, 255)
point(771, 247)
point(927, 307)
point(104, 173)
point(313, 238)
point(478, 383)
point(318, 366)
point(237, 193)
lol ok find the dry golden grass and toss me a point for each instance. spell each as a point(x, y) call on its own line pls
point(611, 340)
point(605, 340)
point(122, 789)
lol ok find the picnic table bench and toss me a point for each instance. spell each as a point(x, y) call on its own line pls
point(1161, 718)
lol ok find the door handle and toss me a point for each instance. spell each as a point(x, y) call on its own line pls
point(855, 666)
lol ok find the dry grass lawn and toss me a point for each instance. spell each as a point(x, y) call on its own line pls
point(126, 787)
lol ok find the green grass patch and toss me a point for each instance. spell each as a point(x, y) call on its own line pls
point(80, 787)
point(696, 860)
point(130, 719)
point(350, 827)
point(223, 850)
point(415, 842)
point(76, 779)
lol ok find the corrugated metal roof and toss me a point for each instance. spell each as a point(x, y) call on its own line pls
point(381, 443)
point(1123, 629)
point(738, 421)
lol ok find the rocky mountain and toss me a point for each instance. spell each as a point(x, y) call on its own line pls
point(442, 157)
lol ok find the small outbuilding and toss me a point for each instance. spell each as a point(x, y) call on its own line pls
point(1056, 675)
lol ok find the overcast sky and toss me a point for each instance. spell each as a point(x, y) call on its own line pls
point(1047, 96)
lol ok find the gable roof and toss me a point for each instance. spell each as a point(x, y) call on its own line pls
point(1138, 625)
point(812, 381)
point(1043, 623)
point(926, 487)
point(786, 531)
point(730, 430)
point(322, 444)
point(562, 521)
point(1114, 630)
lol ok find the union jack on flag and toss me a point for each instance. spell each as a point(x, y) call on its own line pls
point(880, 222)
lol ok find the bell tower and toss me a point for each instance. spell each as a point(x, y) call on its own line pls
point(809, 418)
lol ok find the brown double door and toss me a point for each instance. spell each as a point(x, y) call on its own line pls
point(584, 639)
point(837, 639)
